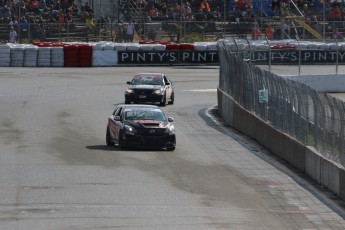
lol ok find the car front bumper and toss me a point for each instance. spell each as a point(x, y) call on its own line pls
point(167, 140)
point(144, 98)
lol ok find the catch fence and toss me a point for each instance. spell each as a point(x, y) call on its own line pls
point(313, 118)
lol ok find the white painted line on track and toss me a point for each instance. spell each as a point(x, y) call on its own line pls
point(200, 90)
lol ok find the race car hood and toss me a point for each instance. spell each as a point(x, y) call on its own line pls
point(153, 87)
point(147, 123)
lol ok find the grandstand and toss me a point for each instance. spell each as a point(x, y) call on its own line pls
point(174, 20)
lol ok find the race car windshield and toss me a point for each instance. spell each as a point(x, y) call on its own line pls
point(156, 115)
point(147, 80)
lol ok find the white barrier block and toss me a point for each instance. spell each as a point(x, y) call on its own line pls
point(312, 46)
point(342, 46)
point(282, 43)
point(17, 55)
point(145, 47)
point(44, 56)
point(334, 46)
point(120, 46)
point(212, 46)
point(5, 55)
point(159, 47)
point(57, 56)
point(273, 43)
point(200, 46)
point(104, 58)
point(30, 56)
point(108, 46)
point(301, 46)
point(324, 46)
point(133, 47)
point(97, 46)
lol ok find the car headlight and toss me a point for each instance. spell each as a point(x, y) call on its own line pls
point(129, 91)
point(170, 128)
point(129, 129)
point(158, 91)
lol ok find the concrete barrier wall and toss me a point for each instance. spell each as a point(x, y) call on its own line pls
point(306, 159)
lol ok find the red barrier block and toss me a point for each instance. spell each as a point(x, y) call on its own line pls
point(172, 46)
point(186, 46)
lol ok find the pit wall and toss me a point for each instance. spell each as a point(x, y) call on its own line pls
point(325, 172)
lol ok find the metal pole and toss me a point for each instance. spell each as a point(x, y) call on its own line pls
point(118, 11)
point(269, 54)
point(224, 19)
point(299, 57)
point(336, 67)
point(324, 20)
point(19, 15)
point(180, 30)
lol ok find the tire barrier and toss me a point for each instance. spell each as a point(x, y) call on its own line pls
point(61, 54)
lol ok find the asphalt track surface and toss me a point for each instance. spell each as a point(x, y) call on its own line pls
point(56, 173)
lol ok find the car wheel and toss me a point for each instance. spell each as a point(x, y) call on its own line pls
point(172, 98)
point(164, 101)
point(108, 138)
point(127, 102)
point(122, 144)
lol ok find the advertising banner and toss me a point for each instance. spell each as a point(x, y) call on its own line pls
point(168, 57)
point(290, 57)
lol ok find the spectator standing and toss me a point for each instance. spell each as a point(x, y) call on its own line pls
point(149, 29)
point(164, 11)
point(335, 14)
point(6, 12)
point(337, 34)
point(61, 18)
point(153, 12)
point(24, 25)
point(186, 11)
point(205, 6)
point(35, 6)
point(130, 32)
point(176, 12)
point(13, 36)
point(87, 8)
point(23, 8)
point(13, 23)
point(89, 21)
point(286, 29)
point(43, 4)
point(69, 17)
point(120, 32)
point(269, 32)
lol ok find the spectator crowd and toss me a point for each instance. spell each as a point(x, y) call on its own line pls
point(40, 12)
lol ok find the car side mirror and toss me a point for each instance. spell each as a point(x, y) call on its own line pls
point(117, 118)
point(128, 82)
point(170, 119)
point(167, 83)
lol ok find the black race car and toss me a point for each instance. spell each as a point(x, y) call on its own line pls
point(139, 125)
point(150, 87)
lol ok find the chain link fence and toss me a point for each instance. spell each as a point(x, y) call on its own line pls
point(167, 30)
point(313, 118)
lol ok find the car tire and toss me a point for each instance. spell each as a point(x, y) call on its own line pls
point(164, 101)
point(172, 98)
point(127, 102)
point(122, 144)
point(108, 139)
